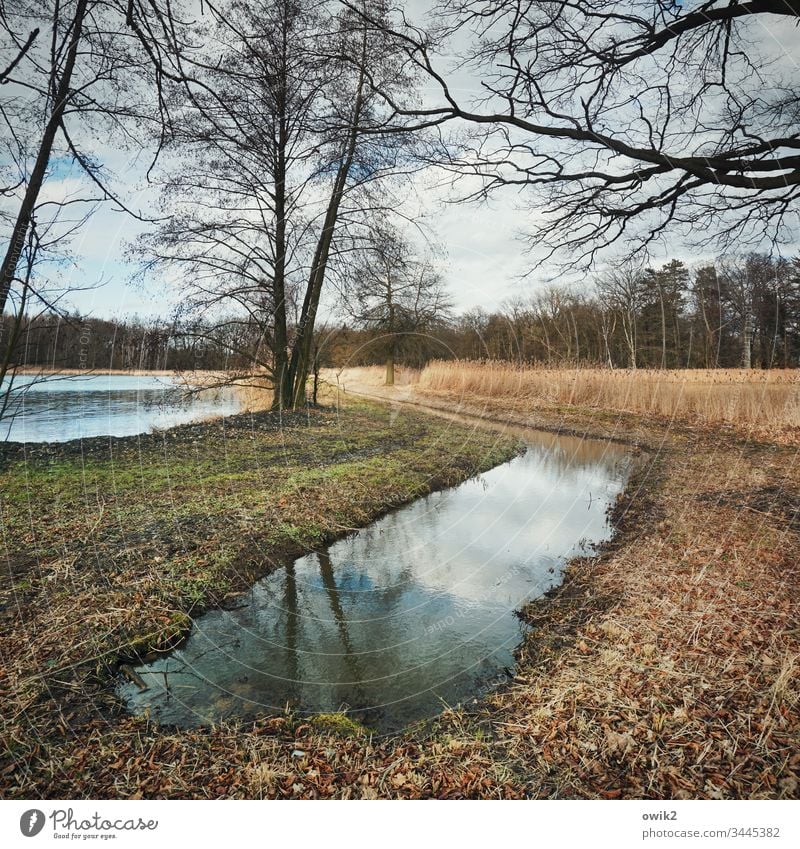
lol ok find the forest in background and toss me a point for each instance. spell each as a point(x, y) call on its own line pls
point(736, 313)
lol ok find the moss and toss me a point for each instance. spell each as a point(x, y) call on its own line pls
point(168, 636)
point(339, 723)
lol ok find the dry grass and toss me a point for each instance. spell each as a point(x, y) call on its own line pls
point(254, 395)
point(744, 399)
point(255, 392)
point(252, 389)
point(371, 375)
point(666, 667)
point(681, 682)
point(132, 536)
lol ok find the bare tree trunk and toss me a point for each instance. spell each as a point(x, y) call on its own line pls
point(282, 388)
point(747, 342)
point(316, 376)
point(23, 220)
point(629, 329)
point(8, 365)
point(708, 338)
point(577, 338)
point(301, 353)
point(392, 330)
point(607, 332)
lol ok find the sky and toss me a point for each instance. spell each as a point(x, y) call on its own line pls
point(485, 264)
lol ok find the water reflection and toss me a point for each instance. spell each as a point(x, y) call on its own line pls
point(61, 408)
point(409, 614)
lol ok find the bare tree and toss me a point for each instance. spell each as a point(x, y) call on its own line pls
point(58, 87)
point(75, 71)
point(242, 167)
point(738, 295)
point(706, 294)
point(760, 298)
point(554, 307)
point(273, 174)
point(369, 150)
point(72, 85)
point(623, 291)
point(621, 120)
point(396, 295)
point(664, 290)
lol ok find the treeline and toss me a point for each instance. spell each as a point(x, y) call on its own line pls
point(54, 341)
point(742, 312)
point(736, 313)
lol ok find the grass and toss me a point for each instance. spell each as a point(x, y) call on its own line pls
point(339, 723)
point(664, 667)
point(675, 680)
point(667, 667)
point(110, 546)
point(765, 402)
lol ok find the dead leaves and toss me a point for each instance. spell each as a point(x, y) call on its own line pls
point(666, 669)
point(618, 745)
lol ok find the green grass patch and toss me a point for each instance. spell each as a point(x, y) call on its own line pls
point(113, 544)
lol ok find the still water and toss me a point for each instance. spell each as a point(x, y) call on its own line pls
point(65, 407)
point(405, 617)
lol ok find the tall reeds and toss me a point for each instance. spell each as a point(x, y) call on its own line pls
point(735, 396)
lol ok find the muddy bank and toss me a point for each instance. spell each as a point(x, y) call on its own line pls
point(108, 448)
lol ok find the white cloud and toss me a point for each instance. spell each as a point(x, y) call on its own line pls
point(486, 260)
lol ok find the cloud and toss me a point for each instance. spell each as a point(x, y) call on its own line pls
point(486, 260)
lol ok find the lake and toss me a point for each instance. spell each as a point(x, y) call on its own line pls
point(63, 407)
point(414, 613)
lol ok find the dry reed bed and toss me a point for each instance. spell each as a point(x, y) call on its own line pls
point(750, 399)
point(669, 667)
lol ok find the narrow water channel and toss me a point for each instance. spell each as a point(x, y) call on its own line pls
point(412, 614)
